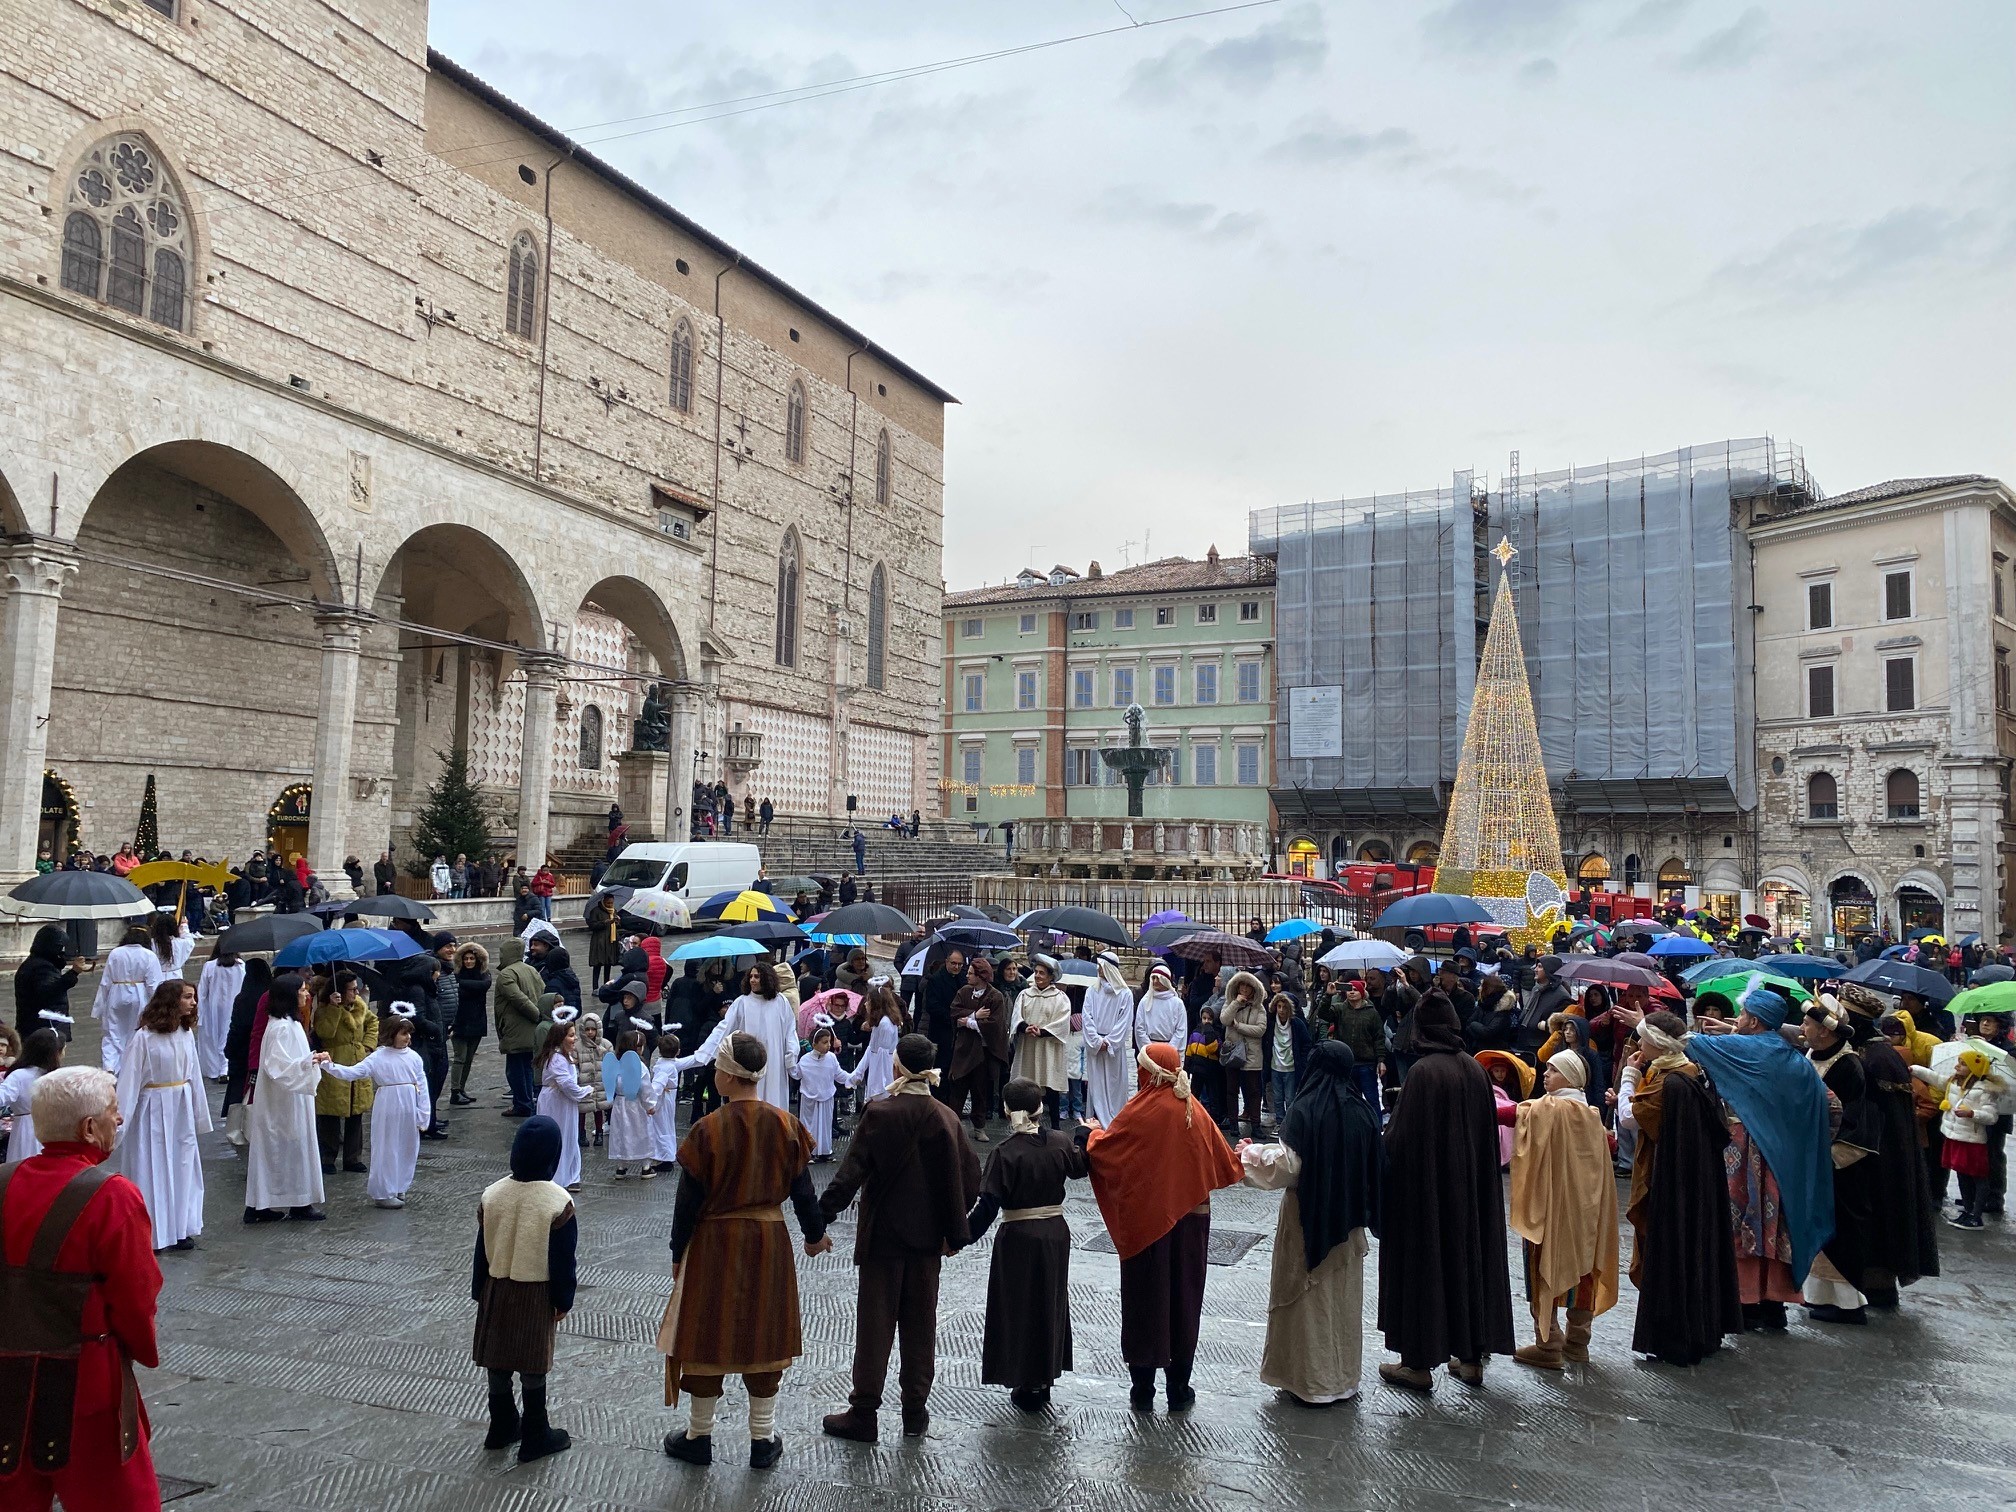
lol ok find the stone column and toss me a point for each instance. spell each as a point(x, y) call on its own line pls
point(679, 776)
point(335, 727)
point(36, 573)
point(535, 759)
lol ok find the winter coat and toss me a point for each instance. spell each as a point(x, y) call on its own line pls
point(44, 981)
point(472, 1001)
point(1246, 1023)
point(518, 992)
point(588, 1068)
point(1300, 1043)
point(349, 1032)
point(603, 949)
point(556, 970)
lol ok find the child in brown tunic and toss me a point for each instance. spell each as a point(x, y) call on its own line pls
point(523, 1285)
point(1027, 1344)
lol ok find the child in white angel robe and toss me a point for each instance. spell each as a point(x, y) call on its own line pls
point(399, 1109)
point(162, 1103)
point(629, 1116)
point(664, 1089)
point(216, 995)
point(819, 1075)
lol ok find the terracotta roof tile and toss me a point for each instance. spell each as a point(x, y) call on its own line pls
point(1170, 575)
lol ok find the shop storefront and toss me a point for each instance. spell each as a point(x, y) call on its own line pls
point(1789, 910)
point(1852, 905)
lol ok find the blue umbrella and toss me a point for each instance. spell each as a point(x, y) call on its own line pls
point(717, 945)
point(1803, 968)
point(1434, 908)
point(1895, 952)
point(328, 946)
point(840, 939)
point(1694, 976)
point(1071, 966)
point(1681, 945)
point(1293, 929)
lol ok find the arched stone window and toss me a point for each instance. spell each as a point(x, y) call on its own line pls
point(1633, 869)
point(682, 367)
point(1823, 798)
point(882, 468)
point(1900, 794)
point(878, 628)
point(787, 601)
point(1595, 869)
point(591, 738)
point(126, 233)
point(794, 423)
point(521, 294)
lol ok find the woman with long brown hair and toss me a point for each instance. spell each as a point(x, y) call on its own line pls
point(162, 1103)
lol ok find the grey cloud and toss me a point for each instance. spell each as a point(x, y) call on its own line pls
point(1911, 242)
point(1539, 71)
point(1130, 206)
point(1498, 26)
point(1730, 47)
point(1294, 44)
point(1318, 139)
point(1652, 18)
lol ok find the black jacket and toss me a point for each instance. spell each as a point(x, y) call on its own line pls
point(472, 1004)
point(43, 981)
point(557, 971)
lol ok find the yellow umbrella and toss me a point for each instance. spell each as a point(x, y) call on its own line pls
point(742, 908)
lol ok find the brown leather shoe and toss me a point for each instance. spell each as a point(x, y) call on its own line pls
point(1469, 1375)
point(1422, 1381)
point(852, 1424)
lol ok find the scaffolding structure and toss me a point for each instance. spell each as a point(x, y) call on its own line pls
point(1631, 581)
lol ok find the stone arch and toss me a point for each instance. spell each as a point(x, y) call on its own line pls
point(1374, 850)
point(1787, 875)
point(254, 484)
point(644, 614)
point(460, 579)
point(13, 518)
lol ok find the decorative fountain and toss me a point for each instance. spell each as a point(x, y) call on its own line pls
point(1135, 762)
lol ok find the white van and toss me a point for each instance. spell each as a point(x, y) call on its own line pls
point(694, 871)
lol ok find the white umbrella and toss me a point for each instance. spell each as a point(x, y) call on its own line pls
point(1358, 955)
point(539, 927)
point(667, 910)
point(1946, 1061)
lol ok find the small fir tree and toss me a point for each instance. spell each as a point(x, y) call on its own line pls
point(147, 839)
point(456, 818)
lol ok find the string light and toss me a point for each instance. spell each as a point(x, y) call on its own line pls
point(1501, 838)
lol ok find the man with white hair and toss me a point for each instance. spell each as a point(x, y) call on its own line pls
point(79, 1312)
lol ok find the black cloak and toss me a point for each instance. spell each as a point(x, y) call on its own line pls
point(1335, 1134)
point(1903, 1236)
point(1685, 1260)
point(1445, 1289)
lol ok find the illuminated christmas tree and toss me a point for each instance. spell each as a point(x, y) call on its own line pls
point(147, 837)
point(1501, 844)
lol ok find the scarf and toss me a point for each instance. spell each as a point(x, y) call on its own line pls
point(1152, 1165)
point(912, 1083)
point(1023, 1123)
point(1667, 1052)
point(725, 1063)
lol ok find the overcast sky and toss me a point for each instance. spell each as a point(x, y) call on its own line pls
point(1311, 249)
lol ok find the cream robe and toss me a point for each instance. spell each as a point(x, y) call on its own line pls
point(399, 1111)
point(1045, 1057)
point(773, 1021)
point(1161, 1020)
point(1109, 1047)
point(283, 1162)
point(162, 1101)
point(216, 994)
point(132, 972)
point(1315, 1319)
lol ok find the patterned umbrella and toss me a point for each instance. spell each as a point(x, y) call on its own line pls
point(1232, 950)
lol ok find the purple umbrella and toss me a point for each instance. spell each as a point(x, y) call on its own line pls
point(1166, 916)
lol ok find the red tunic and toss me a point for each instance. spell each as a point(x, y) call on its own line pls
point(112, 1238)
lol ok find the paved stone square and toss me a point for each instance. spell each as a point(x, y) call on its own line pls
point(326, 1367)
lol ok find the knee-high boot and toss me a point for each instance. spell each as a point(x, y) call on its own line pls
point(541, 1438)
point(1580, 1325)
point(504, 1424)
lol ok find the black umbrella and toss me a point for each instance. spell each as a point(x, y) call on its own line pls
point(765, 932)
point(265, 933)
point(1086, 923)
point(986, 913)
point(617, 894)
point(1900, 976)
point(388, 906)
point(1162, 936)
point(1433, 908)
point(867, 919)
point(80, 895)
point(978, 934)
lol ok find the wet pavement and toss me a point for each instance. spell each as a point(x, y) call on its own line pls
point(326, 1366)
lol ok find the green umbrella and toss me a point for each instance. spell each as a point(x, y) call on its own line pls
point(1733, 985)
point(1998, 998)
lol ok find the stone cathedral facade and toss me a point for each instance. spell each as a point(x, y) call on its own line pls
point(348, 412)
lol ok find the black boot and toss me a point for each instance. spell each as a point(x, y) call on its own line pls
point(540, 1437)
point(1142, 1394)
point(504, 1423)
point(1177, 1381)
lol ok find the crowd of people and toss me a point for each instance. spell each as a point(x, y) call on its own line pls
point(1775, 1155)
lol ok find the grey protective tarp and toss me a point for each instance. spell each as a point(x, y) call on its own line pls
point(1626, 581)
